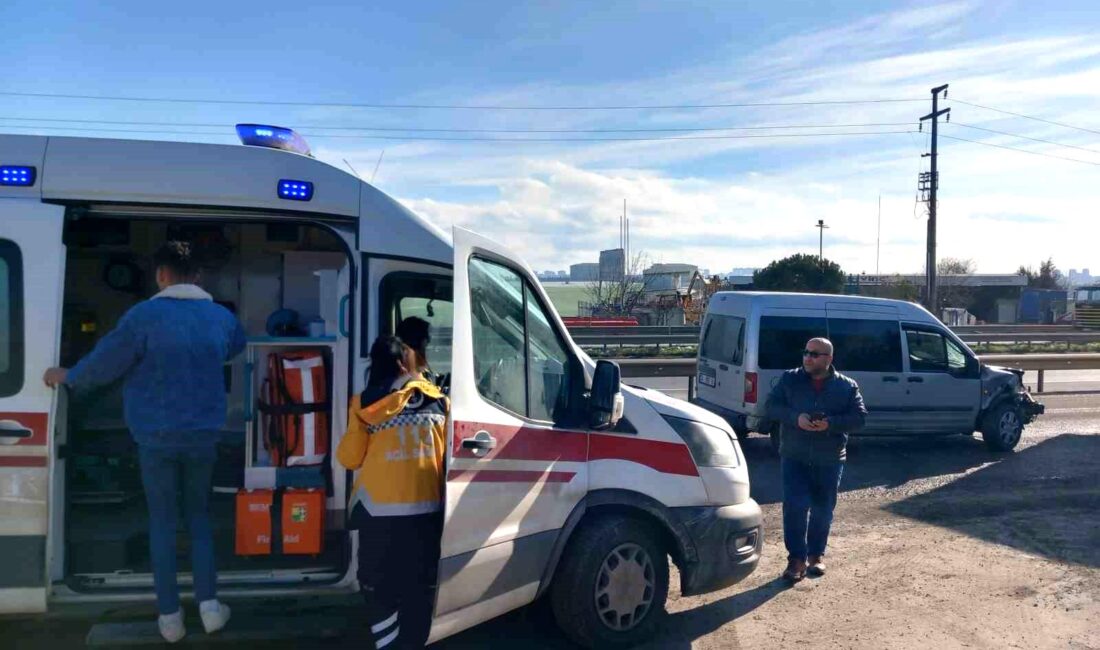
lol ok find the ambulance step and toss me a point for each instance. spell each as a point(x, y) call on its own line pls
point(243, 629)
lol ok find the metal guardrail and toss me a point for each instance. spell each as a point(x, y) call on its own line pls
point(685, 367)
point(689, 335)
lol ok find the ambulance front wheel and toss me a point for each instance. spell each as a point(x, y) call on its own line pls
point(610, 589)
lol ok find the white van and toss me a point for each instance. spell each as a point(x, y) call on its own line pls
point(548, 489)
point(916, 376)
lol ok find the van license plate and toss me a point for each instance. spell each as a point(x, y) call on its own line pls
point(706, 380)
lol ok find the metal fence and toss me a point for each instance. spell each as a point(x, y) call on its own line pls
point(689, 335)
point(1038, 362)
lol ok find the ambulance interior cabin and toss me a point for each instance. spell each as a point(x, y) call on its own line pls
point(277, 512)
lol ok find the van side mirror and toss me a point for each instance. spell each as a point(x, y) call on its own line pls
point(605, 404)
point(973, 367)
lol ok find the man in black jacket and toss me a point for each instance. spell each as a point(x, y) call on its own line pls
point(816, 407)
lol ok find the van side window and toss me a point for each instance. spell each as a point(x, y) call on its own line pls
point(933, 352)
point(11, 318)
point(520, 363)
point(865, 345)
point(427, 296)
point(782, 339)
point(724, 339)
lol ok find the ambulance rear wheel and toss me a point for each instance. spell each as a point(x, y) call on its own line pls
point(610, 589)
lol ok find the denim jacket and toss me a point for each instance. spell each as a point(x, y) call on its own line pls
point(839, 400)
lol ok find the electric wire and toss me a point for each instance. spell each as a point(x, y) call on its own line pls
point(1029, 117)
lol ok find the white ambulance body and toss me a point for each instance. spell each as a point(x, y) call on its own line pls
point(540, 497)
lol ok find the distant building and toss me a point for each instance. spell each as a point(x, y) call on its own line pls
point(661, 278)
point(584, 272)
point(1084, 277)
point(612, 265)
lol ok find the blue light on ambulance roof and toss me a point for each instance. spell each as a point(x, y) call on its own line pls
point(273, 137)
point(293, 190)
point(17, 175)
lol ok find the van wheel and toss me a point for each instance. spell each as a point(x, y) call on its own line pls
point(1002, 427)
point(610, 589)
point(741, 431)
point(774, 436)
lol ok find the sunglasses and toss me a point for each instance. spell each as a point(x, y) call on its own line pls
point(813, 354)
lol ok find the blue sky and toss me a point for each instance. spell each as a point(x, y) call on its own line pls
point(722, 203)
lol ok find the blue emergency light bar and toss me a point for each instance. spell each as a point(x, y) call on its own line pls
point(293, 190)
point(17, 175)
point(272, 137)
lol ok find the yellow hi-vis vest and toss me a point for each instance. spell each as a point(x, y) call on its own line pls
point(397, 446)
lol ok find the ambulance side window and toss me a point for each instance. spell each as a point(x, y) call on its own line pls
point(520, 362)
point(11, 318)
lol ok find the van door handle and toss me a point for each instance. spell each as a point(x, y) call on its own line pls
point(890, 378)
point(480, 443)
point(723, 366)
point(915, 380)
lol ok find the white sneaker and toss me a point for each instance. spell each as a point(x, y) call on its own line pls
point(171, 626)
point(215, 615)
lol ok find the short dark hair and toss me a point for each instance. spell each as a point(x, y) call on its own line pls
point(414, 332)
point(178, 257)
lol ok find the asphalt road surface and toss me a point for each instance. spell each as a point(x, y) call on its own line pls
point(936, 543)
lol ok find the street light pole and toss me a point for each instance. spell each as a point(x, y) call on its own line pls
point(821, 241)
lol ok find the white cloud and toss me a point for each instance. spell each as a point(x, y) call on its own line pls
point(743, 202)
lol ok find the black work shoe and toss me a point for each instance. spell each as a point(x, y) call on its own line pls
point(817, 566)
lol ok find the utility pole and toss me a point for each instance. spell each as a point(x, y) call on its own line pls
point(930, 184)
point(878, 235)
point(821, 242)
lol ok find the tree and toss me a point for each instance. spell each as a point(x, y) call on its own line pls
point(618, 296)
point(1048, 277)
point(956, 293)
point(800, 272)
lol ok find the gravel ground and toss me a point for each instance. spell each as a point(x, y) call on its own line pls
point(936, 543)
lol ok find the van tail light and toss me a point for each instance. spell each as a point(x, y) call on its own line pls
point(750, 387)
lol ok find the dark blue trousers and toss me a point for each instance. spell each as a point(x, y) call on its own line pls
point(809, 496)
point(165, 473)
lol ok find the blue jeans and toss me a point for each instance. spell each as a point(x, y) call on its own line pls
point(808, 490)
point(164, 473)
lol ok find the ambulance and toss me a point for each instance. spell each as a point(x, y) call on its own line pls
point(562, 483)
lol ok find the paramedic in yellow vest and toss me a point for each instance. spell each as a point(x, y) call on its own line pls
point(395, 441)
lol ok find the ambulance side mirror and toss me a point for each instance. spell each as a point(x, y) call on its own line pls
point(605, 404)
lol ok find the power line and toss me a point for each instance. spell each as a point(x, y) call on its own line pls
point(1034, 153)
point(475, 139)
point(1029, 117)
point(182, 100)
point(1025, 137)
point(760, 127)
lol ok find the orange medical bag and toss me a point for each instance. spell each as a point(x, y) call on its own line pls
point(296, 404)
point(303, 519)
point(286, 522)
point(254, 522)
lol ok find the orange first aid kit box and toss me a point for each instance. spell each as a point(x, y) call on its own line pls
point(300, 515)
point(303, 520)
point(254, 522)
